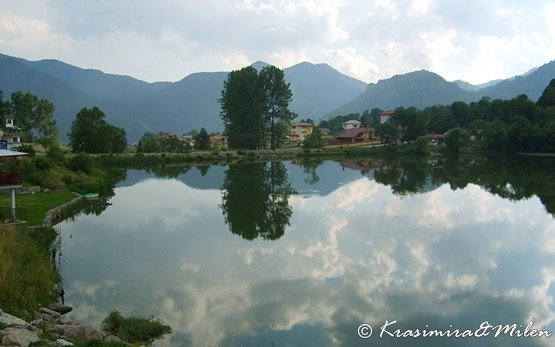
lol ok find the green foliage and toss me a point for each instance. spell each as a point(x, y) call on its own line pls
point(548, 96)
point(27, 149)
point(314, 140)
point(27, 276)
point(277, 96)
point(34, 116)
point(242, 110)
point(202, 140)
point(81, 162)
point(148, 144)
point(254, 108)
point(455, 139)
point(152, 143)
point(389, 131)
point(42, 163)
point(90, 133)
point(132, 329)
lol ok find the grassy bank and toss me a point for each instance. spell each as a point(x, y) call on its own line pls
point(38, 204)
point(27, 274)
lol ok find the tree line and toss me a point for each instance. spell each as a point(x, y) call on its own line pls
point(502, 126)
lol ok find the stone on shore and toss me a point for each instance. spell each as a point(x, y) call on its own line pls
point(60, 308)
point(18, 337)
point(77, 331)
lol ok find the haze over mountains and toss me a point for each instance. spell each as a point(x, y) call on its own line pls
point(191, 103)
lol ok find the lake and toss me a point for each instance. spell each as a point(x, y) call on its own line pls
point(303, 253)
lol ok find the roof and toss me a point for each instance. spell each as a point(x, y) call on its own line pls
point(386, 113)
point(352, 121)
point(354, 132)
point(8, 153)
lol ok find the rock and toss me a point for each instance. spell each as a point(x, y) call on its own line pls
point(8, 319)
point(63, 343)
point(77, 331)
point(49, 311)
point(60, 308)
point(18, 337)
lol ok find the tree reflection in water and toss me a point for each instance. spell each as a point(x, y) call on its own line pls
point(255, 200)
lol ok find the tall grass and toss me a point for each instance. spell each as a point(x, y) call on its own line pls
point(27, 275)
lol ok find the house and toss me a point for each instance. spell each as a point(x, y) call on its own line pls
point(12, 134)
point(357, 135)
point(188, 139)
point(350, 124)
point(324, 131)
point(218, 141)
point(166, 136)
point(300, 131)
point(434, 139)
point(385, 116)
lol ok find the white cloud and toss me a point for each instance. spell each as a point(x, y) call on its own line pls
point(471, 40)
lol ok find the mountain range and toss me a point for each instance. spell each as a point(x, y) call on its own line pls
point(191, 103)
point(423, 88)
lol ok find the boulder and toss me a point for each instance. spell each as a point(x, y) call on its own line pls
point(18, 337)
point(63, 343)
point(77, 331)
point(60, 308)
point(8, 319)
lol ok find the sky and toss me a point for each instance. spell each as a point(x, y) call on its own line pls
point(473, 40)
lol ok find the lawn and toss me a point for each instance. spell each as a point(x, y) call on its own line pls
point(37, 204)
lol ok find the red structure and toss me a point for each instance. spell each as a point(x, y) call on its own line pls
point(9, 175)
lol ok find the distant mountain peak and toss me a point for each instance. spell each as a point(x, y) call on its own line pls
point(259, 65)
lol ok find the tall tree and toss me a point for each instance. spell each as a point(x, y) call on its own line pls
point(277, 96)
point(202, 140)
point(35, 117)
point(548, 96)
point(242, 109)
point(90, 133)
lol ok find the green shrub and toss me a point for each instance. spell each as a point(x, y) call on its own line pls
point(133, 329)
point(27, 149)
point(56, 153)
point(81, 162)
point(42, 163)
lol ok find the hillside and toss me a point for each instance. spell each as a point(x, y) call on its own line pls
point(423, 89)
point(419, 88)
point(17, 75)
point(138, 106)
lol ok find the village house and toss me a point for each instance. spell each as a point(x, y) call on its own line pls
point(188, 139)
point(357, 135)
point(385, 116)
point(218, 141)
point(300, 131)
point(11, 134)
point(350, 124)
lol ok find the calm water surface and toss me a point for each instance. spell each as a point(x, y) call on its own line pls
point(301, 254)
